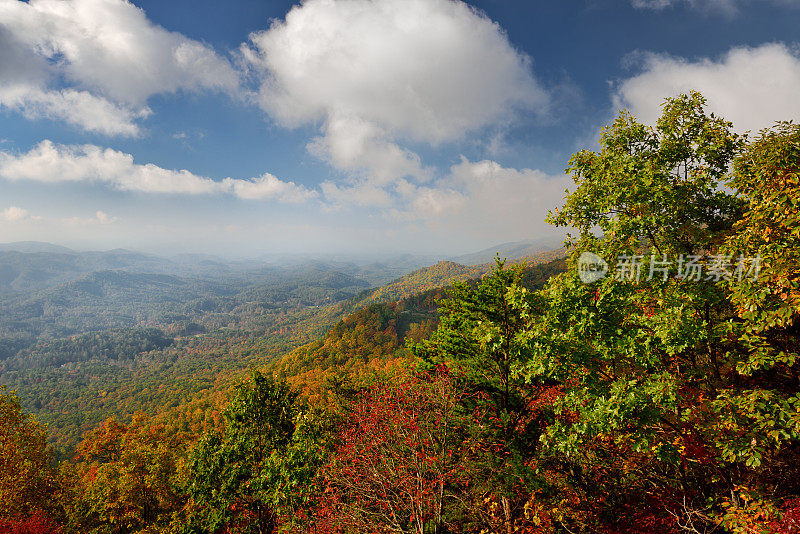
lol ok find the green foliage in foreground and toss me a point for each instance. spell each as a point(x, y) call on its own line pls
point(650, 404)
point(259, 471)
point(659, 389)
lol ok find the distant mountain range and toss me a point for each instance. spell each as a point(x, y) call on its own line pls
point(31, 266)
point(510, 251)
point(37, 266)
point(34, 246)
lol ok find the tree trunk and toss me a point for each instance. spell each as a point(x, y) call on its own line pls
point(507, 514)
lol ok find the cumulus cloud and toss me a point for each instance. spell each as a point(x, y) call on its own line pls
point(51, 163)
point(486, 200)
point(111, 57)
point(16, 214)
point(752, 87)
point(78, 108)
point(266, 187)
point(364, 149)
point(432, 202)
point(376, 75)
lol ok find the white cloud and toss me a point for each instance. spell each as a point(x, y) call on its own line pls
point(99, 218)
point(78, 108)
point(378, 74)
point(752, 87)
point(430, 202)
point(652, 4)
point(48, 162)
point(362, 193)
point(725, 7)
point(110, 55)
point(16, 214)
point(481, 199)
point(363, 148)
point(485, 200)
point(267, 187)
point(103, 218)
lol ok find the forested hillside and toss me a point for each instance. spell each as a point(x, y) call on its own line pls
point(111, 299)
point(446, 272)
point(648, 383)
point(427, 278)
point(156, 342)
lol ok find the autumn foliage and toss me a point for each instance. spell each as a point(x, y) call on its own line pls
point(29, 483)
point(652, 406)
point(38, 523)
point(402, 462)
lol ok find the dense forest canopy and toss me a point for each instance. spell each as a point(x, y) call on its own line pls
point(662, 397)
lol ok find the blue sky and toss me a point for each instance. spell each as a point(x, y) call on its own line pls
point(430, 126)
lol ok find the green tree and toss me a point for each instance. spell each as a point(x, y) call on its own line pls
point(767, 174)
point(656, 187)
point(257, 475)
point(759, 412)
point(653, 399)
point(484, 336)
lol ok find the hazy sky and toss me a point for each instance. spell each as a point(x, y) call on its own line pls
point(250, 126)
